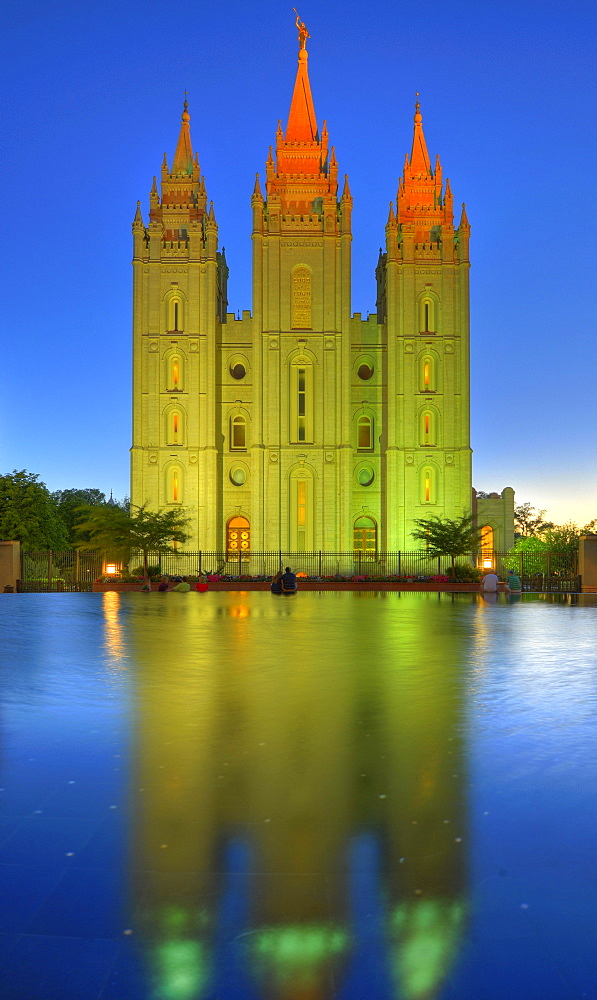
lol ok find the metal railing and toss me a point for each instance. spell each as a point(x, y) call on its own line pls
point(75, 571)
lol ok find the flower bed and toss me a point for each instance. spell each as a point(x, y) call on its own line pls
point(336, 582)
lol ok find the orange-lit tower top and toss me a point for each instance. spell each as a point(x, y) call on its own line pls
point(421, 203)
point(303, 169)
point(183, 197)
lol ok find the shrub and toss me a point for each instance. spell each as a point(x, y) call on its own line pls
point(464, 574)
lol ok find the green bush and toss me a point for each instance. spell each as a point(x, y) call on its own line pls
point(464, 574)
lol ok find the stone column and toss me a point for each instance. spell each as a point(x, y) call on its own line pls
point(10, 565)
point(587, 563)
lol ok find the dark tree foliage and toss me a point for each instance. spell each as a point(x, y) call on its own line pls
point(29, 513)
point(530, 522)
point(69, 503)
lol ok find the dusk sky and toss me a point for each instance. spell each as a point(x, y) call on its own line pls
point(92, 97)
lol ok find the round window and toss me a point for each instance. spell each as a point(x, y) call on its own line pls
point(365, 475)
point(365, 372)
point(238, 475)
point(238, 371)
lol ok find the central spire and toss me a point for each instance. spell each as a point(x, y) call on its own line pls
point(302, 124)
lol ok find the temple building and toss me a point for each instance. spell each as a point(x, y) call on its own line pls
point(299, 426)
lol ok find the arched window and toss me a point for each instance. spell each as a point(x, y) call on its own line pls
point(428, 487)
point(487, 546)
point(428, 428)
point(238, 535)
point(238, 431)
point(175, 312)
point(301, 400)
point(174, 484)
point(364, 432)
point(427, 315)
point(175, 426)
point(301, 298)
point(365, 535)
point(428, 373)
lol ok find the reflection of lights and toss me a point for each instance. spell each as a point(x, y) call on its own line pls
point(181, 970)
point(111, 569)
point(295, 952)
point(428, 933)
point(239, 611)
point(112, 627)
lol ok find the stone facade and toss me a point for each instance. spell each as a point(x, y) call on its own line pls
point(300, 426)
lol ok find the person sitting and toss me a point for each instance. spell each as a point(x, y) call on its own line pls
point(276, 584)
point(183, 587)
point(288, 581)
point(163, 584)
point(490, 583)
point(513, 583)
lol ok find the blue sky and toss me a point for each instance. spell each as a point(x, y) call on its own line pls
point(92, 96)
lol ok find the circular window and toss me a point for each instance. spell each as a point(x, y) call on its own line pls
point(238, 371)
point(238, 476)
point(365, 475)
point(365, 372)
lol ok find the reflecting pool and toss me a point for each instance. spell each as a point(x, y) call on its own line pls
point(235, 796)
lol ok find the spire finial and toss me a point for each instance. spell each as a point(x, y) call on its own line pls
point(418, 115)
point(185, 112)
point(302, 30)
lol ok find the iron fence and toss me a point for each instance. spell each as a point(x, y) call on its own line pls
point(75, 571)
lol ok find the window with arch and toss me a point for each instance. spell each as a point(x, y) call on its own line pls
point(428, 484)
point(238, 534)
point(364, 432)
point(301, 298)
point(174, 373)
point(301, 400)
point(175, 426)
point(428, 428)
point(175, 313)
point(365, 535)
point(487, 546)
point(174, 484)
point(238, 431)
point(427, 322)
point(428, 373)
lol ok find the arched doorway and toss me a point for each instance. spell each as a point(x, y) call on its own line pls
point(238, 535)
point(487, 547)
point(365, 535)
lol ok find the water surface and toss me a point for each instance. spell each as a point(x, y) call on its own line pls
point(344, 795)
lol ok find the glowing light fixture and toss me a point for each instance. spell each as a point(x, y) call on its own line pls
point(487, 564)
point(111, 569)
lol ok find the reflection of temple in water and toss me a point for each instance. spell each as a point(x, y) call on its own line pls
point(298, 820)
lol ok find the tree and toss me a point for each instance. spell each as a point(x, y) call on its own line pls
point(119, 532)
point(69, 503)
point(530, 522)
point(28, 512)
point(447, 536)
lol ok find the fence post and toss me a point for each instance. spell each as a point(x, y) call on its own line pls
point(50, 570)
point(77, 565)
point(399, 563)
point(200, 567)
point(548, 572)
point(319, 573)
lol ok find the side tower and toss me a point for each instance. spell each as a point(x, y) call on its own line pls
point(301, 465)
point(423, 301)
point(179, 299)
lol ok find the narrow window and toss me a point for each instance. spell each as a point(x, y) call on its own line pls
point(239, 435)
point(301, 403)
point(427, 487)
point(175, 373)
point(426, 374)
point(364, 432)
point(302, 503)
point(426, 316)
point(175, 486)
point(175, 427)
point(176, 314)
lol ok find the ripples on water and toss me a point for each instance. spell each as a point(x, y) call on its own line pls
point(347, 795)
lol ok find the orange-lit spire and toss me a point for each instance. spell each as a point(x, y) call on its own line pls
point(419, 157)
point(302, 124)
point(183, 157)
